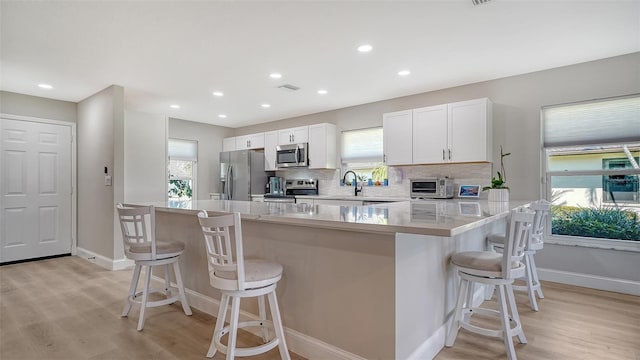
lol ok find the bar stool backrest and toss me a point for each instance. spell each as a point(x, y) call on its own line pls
point(518, 235)
point(542, 208)
point(138, 226)
point(218, 241)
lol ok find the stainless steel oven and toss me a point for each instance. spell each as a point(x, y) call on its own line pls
point(293, 187)
point(293, 155)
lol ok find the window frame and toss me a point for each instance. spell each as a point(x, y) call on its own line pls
point(546, 193)
point(194, 169)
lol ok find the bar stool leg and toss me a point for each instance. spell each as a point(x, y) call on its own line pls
point(277, 323)
point(536, 280)
point(233, 328)
point(457, 315)
point(145, 296)
point(167, 281)
point(132, 290)
point(514, 313)
point(530, 284)
point(183, 295)
point(263, 316)
point(222, 314)
point(506, 325)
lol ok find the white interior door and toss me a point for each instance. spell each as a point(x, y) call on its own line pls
point(35, 185)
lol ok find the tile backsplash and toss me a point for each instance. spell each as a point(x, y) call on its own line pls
point(463, 174)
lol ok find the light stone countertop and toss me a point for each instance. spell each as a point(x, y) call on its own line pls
point(426, 217)
point(352, 197)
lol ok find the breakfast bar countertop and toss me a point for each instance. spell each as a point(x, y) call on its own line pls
point(425, 217)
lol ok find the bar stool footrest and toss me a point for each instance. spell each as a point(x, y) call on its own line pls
point(247, 351)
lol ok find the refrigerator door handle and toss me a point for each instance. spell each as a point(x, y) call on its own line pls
point(230, 182)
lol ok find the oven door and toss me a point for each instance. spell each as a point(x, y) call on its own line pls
point(291, 155)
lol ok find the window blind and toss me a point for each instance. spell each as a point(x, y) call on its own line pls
point(606, 121)
point(362, 146)
point(183, 150)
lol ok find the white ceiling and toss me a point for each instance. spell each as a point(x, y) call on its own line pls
point(166, 53)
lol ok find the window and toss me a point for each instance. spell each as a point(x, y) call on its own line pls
point(591, 153)
point(362, 152)
point(183, 156)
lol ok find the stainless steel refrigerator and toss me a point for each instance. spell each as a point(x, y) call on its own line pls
point(242, 174)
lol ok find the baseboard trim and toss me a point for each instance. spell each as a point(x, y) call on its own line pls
point(103, 261)
point(432, 346)
point(299, 343)
point(590, 281)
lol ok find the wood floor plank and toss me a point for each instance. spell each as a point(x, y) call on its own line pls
point(68, 308)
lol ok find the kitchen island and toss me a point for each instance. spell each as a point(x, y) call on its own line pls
point(368, 282)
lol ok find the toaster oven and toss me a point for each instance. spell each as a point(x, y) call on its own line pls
point(432, 188)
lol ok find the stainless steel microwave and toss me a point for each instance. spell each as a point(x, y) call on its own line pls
point(432, 188)
point(292, 155)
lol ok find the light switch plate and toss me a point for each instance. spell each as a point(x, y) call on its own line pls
point(107, 180)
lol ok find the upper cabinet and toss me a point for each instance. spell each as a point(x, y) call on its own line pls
point(322, 146)
point(397, 127)
point(229, 144)
point(430, 134)
point(470, 130)
point(456, 132)
point(270, 143)
point(243, 142)
point(251, 141)
point(295, 135)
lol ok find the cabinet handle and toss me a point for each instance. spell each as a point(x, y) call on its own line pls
point(443, 154)
point(449, 154)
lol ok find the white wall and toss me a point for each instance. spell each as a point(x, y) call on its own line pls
point(145, 163)
point(209, 138)
point(100, 133)
point(26, 105)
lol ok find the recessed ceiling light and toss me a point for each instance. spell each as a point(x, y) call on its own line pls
point(174, 106)
point(218, 93)
point(365, 48)
point(45, 86)
point(222, 116)
point(266, 105)
point(322, 91)
point(404, 72)
point(275, 75)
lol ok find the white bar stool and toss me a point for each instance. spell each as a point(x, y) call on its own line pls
point(139, 237)
point(238, 278)
point(496, 242)
point(500, 270)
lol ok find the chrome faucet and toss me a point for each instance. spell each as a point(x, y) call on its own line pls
point(355, 182)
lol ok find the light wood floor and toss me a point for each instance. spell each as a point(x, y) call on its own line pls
point(68, 308)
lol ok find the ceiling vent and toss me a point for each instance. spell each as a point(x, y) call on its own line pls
point(289, 87)
point(479, 2)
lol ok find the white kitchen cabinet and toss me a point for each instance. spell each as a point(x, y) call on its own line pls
point(430, 134)
point(397, 137)
point(470, 130)
point(295, 135)
point(229, 144)
point(457, 132)
point(251, 141)
point(322, 146)
point(270, 143)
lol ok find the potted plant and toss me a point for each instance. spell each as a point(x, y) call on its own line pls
point(499, 191)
